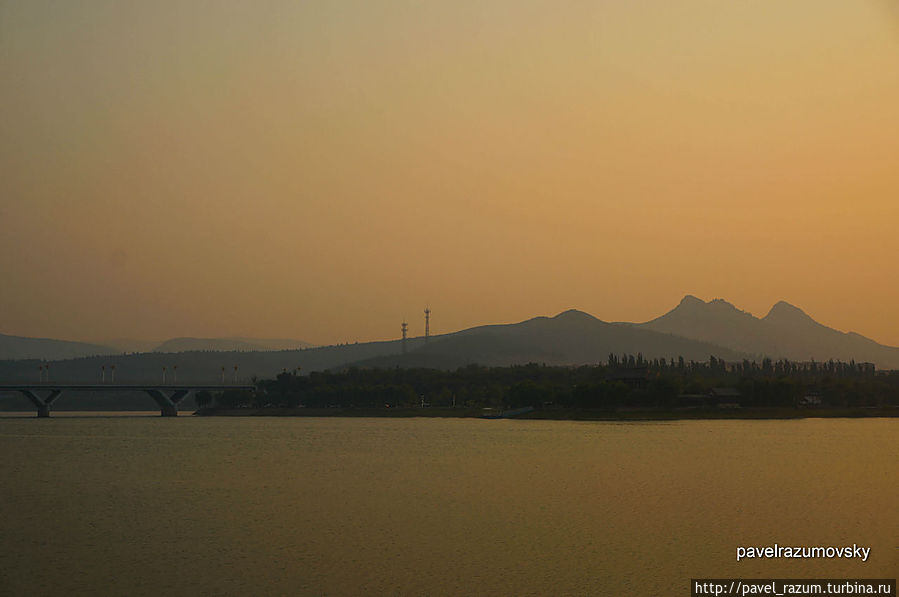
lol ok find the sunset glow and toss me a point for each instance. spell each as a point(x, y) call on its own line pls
point(323, 170)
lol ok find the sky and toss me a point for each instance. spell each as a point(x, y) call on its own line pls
point(323, 170)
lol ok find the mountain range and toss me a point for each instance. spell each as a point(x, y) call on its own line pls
point(570, 338)
point(694, 329)
point(230, 344)
point(785, 332)
point(19, 347)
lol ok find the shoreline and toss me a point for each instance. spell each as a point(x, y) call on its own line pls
point(566, 414)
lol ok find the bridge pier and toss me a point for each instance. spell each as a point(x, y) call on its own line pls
point(42, 406)
point(168, 405)
point(168, 397)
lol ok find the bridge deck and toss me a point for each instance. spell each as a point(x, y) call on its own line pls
point(167, 396)
point(122, 387)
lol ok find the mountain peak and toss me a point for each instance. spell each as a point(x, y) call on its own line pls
point(723, 304)
point(574, 315)
point(689, 299)
point(692, 302)
point(782, 311)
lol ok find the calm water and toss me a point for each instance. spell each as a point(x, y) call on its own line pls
point(256, 506)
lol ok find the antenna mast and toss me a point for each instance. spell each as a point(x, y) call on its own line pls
point(427, 323)
point(405, 329)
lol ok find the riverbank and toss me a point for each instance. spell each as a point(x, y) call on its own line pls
point(566, 414)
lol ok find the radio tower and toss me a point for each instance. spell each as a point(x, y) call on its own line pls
point(427, 323)
point(405, 328)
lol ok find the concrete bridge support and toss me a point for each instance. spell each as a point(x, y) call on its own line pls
point(44, 395)
point(168, 405)
point(42, 405)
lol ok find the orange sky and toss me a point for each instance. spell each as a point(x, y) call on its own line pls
point(321, 170)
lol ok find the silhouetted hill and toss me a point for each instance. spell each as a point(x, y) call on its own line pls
point(785, 332)
point(229, 344)
point(570, 338)
point(694, 329)
point(199, 366)
point(717, 321)
point(19, 347)
point(124, 345)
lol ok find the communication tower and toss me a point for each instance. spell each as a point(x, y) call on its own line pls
point(427, 323)
point(405, 329)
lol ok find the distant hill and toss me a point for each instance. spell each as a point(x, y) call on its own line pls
point(229, 344)
point(569, 338)
point(124, 345)
point(572, 337)
point(19, 347)
point(694, 329)
point(200, 366)
point(785, 332)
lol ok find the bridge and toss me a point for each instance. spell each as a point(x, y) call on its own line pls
point(168, 397)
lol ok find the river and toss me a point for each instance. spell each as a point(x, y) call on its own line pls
point(141, 505)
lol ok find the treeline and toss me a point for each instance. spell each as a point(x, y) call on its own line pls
point(625, 381)
point(767, 368)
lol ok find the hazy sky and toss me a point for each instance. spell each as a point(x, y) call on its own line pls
point(323, 169)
